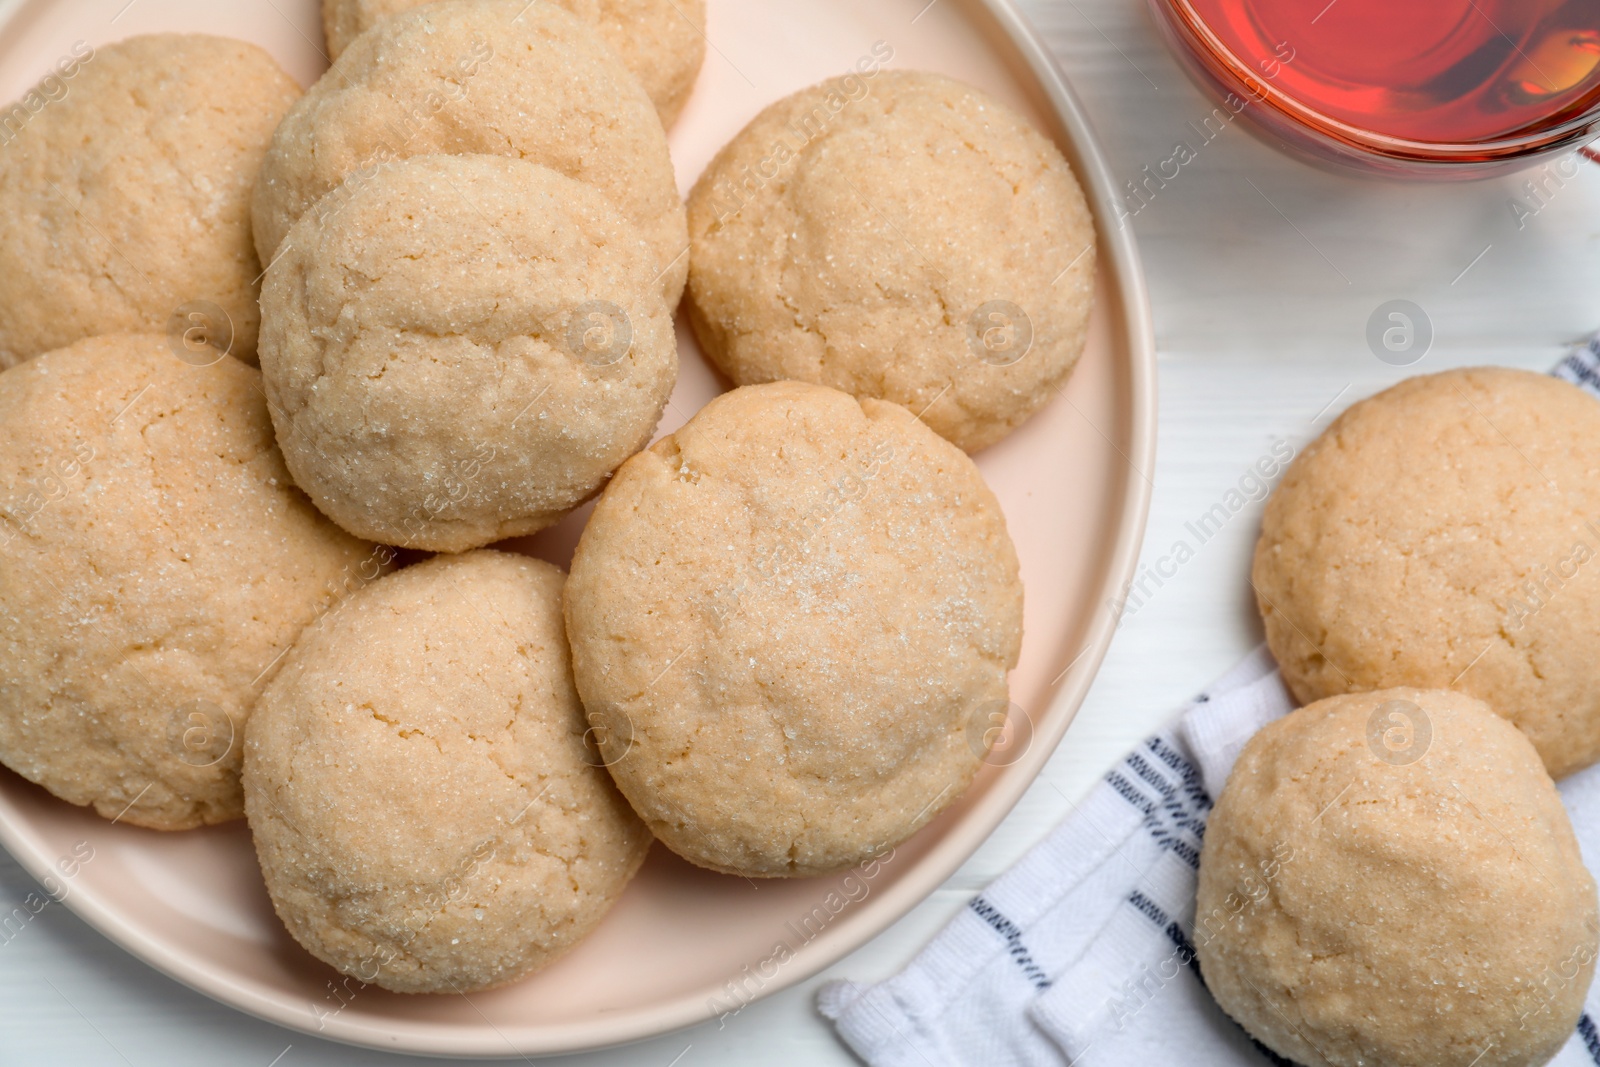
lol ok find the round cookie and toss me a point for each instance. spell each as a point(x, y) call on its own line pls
point(791, 623)
point(463, 352)
point(1442, 534)
point(155, 564)
point(496, 77)
point(125, 195)
point(662, 42)
point(896, 235)
point(452, 675)
point(1390, 879)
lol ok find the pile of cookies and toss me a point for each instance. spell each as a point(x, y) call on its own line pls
point(1389, 876)
point(457, 260)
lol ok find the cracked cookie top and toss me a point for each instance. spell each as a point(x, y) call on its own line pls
point(1390, 878)
point(662, 42)
point(1443, 534)
point(463, 351)
point(526, 81)
point(791, 623)
point(897, 235)
point(156, 562)
point(125, 189)
point(427, 812)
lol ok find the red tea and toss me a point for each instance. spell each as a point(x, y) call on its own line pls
point(1439, 72)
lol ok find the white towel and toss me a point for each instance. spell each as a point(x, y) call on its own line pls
point(1080, 954)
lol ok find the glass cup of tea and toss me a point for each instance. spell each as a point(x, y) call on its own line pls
point(1402, 88)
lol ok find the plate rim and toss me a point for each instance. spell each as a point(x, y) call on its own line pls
point(1134, 323)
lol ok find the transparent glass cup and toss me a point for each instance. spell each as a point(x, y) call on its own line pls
point(1432, 89)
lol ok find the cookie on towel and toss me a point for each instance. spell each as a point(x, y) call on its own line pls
point(1388, 879)
point(1444, 534)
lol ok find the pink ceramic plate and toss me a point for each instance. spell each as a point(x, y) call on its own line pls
point(683, 944)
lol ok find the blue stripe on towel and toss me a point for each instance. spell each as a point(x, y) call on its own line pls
point(1013, 937)
point(1192, 782)
point(1176, 817)
point(1129, 793)
point(1591, 1039)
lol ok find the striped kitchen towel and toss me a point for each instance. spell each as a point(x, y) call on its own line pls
point(1081, 954)
point(1582, 366)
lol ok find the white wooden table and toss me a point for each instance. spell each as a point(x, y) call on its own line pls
point(1264, 274)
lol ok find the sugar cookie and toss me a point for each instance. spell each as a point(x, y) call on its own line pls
point(1443, 534)
point(464, 351)
point(662, 42)
point(791, 624)
point(428, 815)
point(897, 235)
point(1389, 879)
point(125, 200)
point(155, 564)
point(477, 76)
